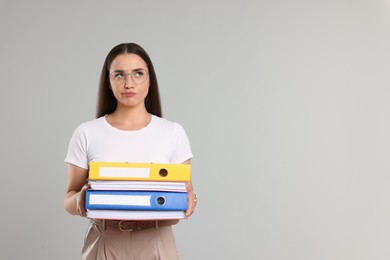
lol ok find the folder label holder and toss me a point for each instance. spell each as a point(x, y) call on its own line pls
point(133, 200)
point(125, 172)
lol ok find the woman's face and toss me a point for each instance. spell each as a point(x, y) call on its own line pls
point(129, 79)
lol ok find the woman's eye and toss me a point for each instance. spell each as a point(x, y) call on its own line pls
point(119, 75)
point(138, 74)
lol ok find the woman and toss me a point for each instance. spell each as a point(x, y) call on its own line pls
point(128, 128)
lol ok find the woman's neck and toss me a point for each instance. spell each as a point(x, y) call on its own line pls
point(129, 118)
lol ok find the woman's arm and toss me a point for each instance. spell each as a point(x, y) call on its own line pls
point(191, 195)
point(77, 185)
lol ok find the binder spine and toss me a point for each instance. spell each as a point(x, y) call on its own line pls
point(139, 171)
point(136, 200)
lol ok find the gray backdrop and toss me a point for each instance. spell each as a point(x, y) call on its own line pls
point(286, 104)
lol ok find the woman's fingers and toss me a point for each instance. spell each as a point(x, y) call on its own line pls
point(81, 201)
point(192, 201)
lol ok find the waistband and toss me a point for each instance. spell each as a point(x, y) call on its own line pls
point(130, 225)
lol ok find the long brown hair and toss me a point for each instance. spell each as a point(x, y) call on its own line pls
point(107, 102)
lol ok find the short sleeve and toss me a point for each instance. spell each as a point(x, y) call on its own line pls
point(182, 151)
point(77, 149)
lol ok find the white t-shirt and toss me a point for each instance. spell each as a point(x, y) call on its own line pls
point(161, 141)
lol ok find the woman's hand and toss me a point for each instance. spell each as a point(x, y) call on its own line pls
point(192, 200)
point(192, 197)
point(77, 186)
point(80, 200)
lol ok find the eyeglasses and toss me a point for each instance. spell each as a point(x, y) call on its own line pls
point(138, 76)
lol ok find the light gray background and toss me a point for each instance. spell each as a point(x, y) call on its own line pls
point(286, 104)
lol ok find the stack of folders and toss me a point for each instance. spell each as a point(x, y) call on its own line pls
point(137, 191)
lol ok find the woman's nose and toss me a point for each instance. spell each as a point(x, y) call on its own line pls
point(129, 82)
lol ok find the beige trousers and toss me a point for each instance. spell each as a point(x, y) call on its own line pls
point(109, 243)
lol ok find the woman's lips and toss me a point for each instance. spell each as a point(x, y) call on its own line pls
point(129, 94)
